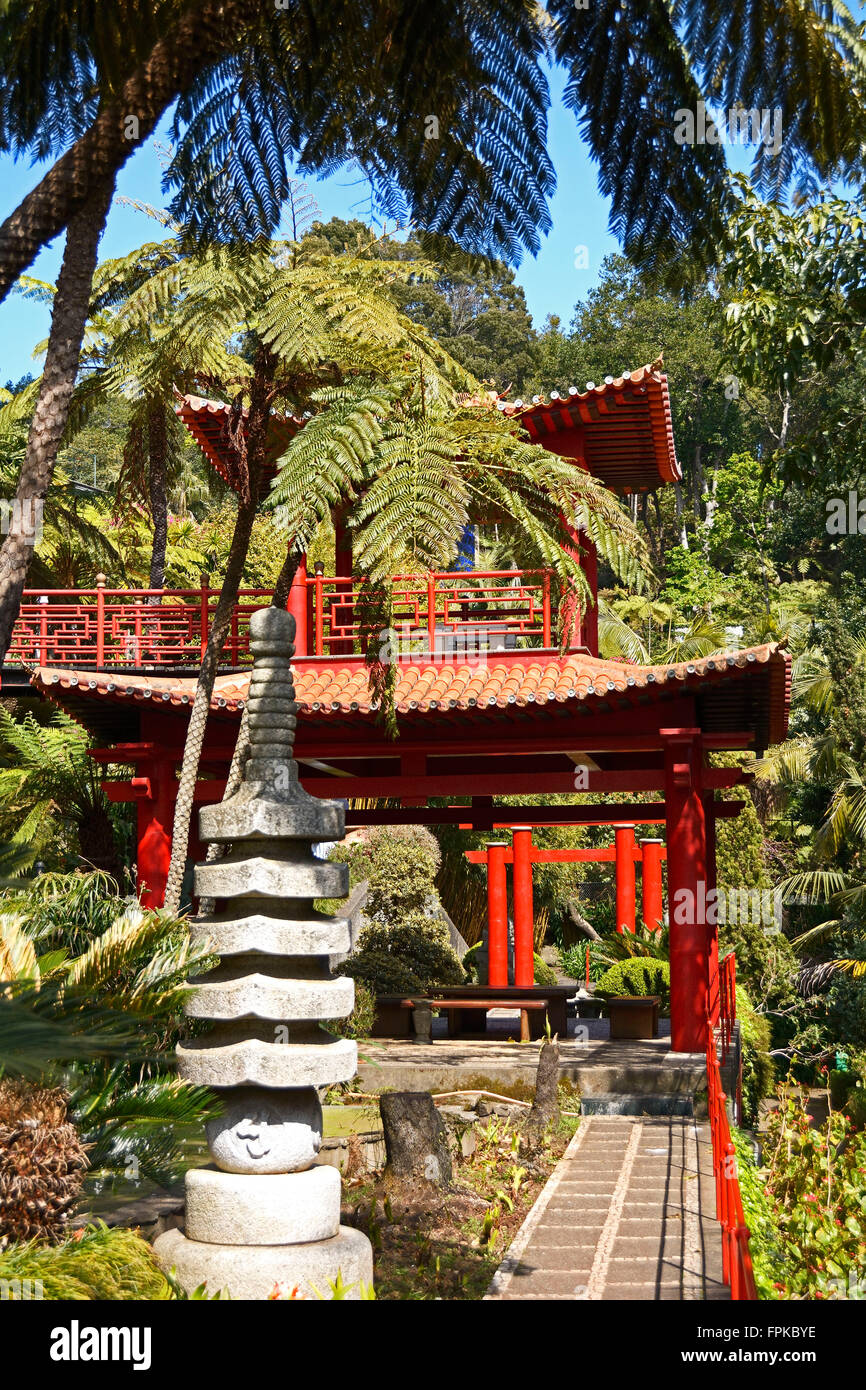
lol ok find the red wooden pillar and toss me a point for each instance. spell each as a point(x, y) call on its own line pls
point(298, 607)
point(343, 575)
point(687, 869)
point(497, 915)
point(524, 916)
point(625, 889)
point(589, 565)
point(714, 996)
point(651, 885)
point(155, 822)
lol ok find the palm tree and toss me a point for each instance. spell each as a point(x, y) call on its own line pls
point(68, 319)
point(472, 163)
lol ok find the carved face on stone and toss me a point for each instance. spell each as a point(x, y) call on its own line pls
point(265, 1131)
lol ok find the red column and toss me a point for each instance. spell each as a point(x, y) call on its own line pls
point(155, 821)
point(572, 613)
point(343, 575)
point(297, 606)
point(497, 916)
point(589, 565)
point(687, 868)
point(714, 997)
point(524, 917)
point(625, 890)
point(651, 871)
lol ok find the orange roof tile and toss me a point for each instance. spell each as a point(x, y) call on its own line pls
point(335, 687)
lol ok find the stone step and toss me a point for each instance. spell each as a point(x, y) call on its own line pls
point(617, 1103)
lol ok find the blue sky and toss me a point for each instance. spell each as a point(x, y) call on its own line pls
point(553, 283)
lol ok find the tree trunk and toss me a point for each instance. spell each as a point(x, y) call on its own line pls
point(68, 319)
point(157, 448)
point(415, 1137)
point(545, 1107)
point(256, 443)
point(203, 34)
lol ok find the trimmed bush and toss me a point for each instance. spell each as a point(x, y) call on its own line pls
point(400, 865)
point(408, 958)
point(639, 976)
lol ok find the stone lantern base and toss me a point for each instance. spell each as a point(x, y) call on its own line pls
point(252, 1271)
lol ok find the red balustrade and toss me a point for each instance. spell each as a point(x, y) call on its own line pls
point(736, 1256)
point(453, 615)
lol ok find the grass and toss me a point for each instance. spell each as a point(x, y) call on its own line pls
point(95, 1263)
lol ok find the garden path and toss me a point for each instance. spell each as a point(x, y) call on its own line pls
point(628, 1213)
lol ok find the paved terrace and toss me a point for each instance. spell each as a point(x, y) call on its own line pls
point(636, 1076)
point(629, 1213)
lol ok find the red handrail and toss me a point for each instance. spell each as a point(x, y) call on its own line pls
point(736, 1256)
point(452, 614)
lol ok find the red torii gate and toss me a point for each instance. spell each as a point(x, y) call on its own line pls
point(523, 854)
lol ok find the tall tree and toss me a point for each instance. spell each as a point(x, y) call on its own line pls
point(68, 318)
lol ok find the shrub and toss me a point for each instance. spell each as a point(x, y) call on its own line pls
point(544, 975)
point(399, 864)
point(759, 1072)
point(359, 1024)
point(542, 972)
point(638, 976)
point(406, 958)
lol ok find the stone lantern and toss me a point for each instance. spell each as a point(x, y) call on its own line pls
point(263, 1213)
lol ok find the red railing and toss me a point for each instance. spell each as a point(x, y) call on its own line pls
point(451, 614)
point(736, 1256)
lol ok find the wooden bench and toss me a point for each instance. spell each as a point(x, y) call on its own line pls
point(395, 1013)
point(423, 1014)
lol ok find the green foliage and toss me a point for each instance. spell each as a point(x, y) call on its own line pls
point(409, 956)
point(51, 797)
point(543, 974)
point(813, 1175)
point(765, 1245)
point(638, 976)
point(99, 1003)
point(95, 1263)
point(359, 1024)
point(758, 1069)
point(399, 864)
